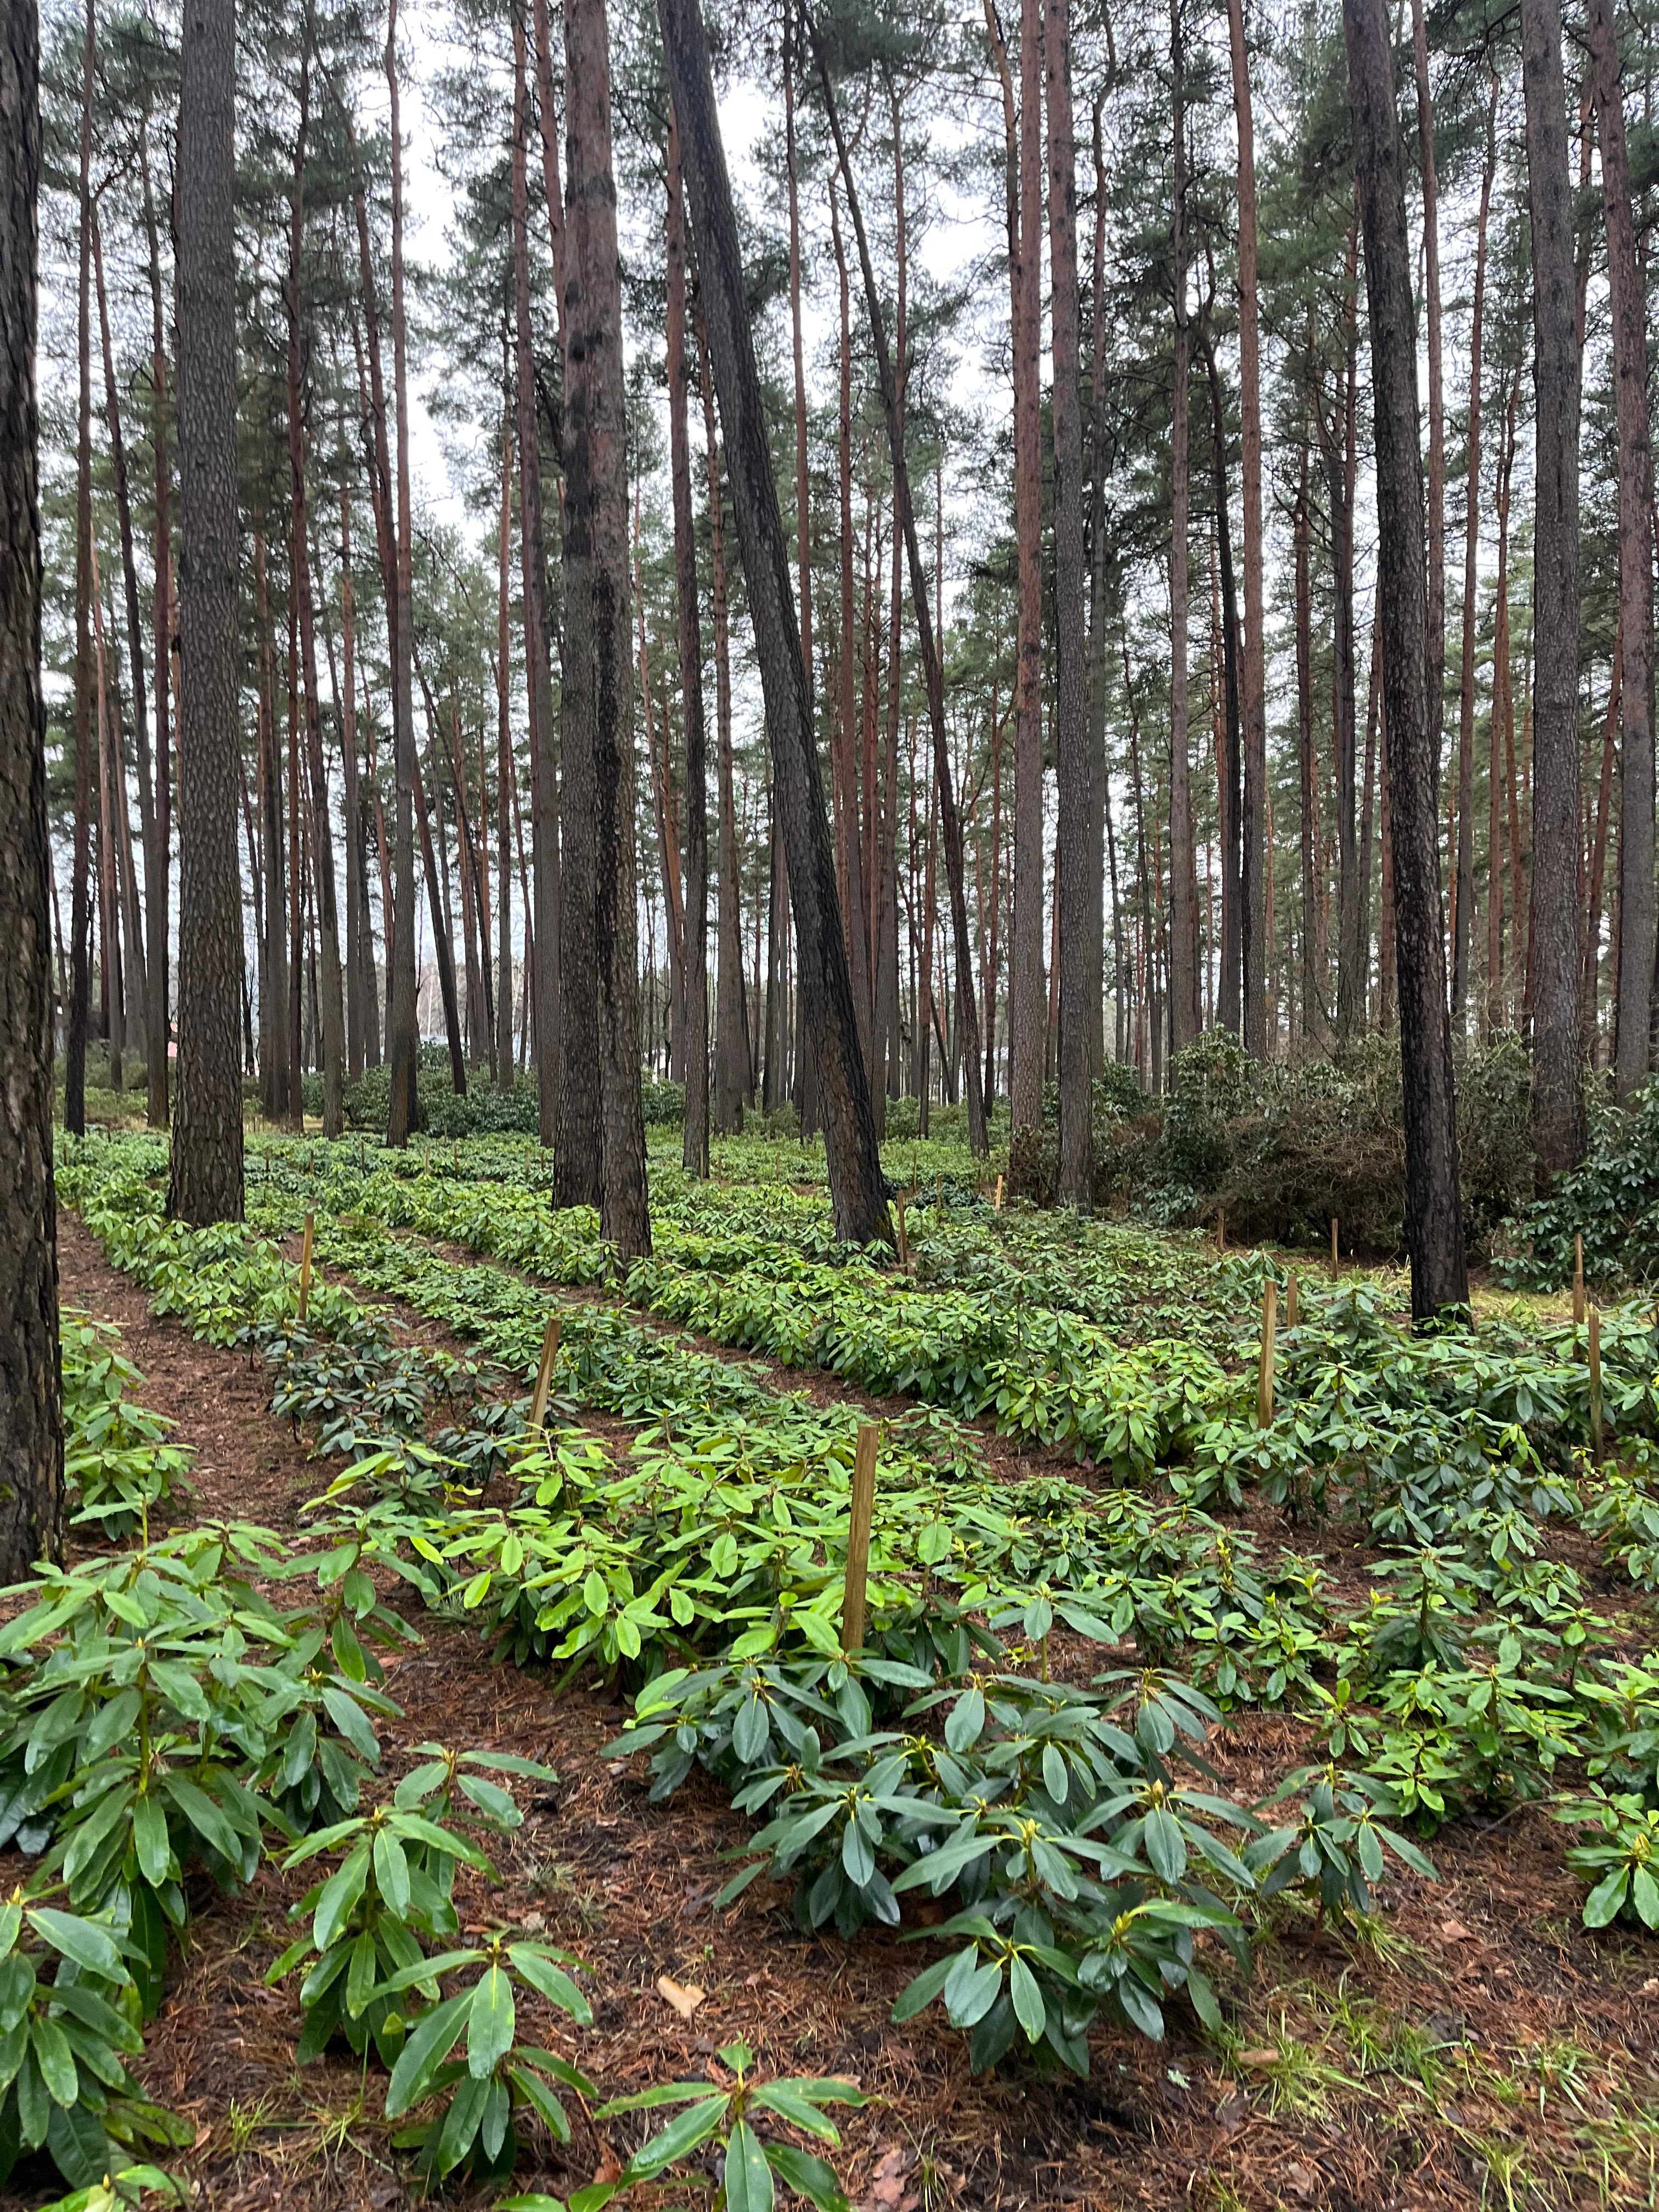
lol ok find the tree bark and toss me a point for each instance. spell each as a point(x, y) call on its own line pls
point(1557, 1094)
point(597, 524)
point(1434, 1225)
point(1463, 909)
point(1077, 849)
point(402, 1032)
point(858, 1197)
point(1229, 781)
point(31, 1405)
point(332, 1023)
point(694, 1152)
point(538, 632)
point(1256, 950)
point(205, 1184)
point(1436, 587)
point(157, 899)
point(1633, 1055)
point(78, 1012)
point(1184, 1011)
point(506, 776)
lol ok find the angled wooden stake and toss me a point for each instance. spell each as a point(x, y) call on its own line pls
point(305, 1263)
point(903, 1240)
point(1578, 1282)
point(858, 1539)
point(1264, 1381)
point(1335, 1261)
point(1595, 1382)
point(998, 1203)
point(1221, 1229)
point(544, 1372)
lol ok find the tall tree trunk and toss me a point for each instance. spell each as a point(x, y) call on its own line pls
point(109, 889)
point(731, 1074)
point(1463, 905)
point(1437, 588)
point(1341, 466)
point(1099, 410)
point(275, 1072)
point(205, 1184)
point(539, 673)
point(695, 1153)
point(79, 1009)
point(402, 1032)
point(928, 637)
point(1630, 371)
point(1557, 1094)
point(505, 777)
point(437, 901)
point(1078, 847)
point(31, 1399)
point(1023, 133)
point(1228, 783)
point(1254, 946)
point(1434, 1227)
point(332, 1023)
point(362, 1048)
point(1184, 1011)
point(858, 1197)
point(596, 493)
point(843, 741)
point(156, 883)
point(154, 1024)
point(1313, 937)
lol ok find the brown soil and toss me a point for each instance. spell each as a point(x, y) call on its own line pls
point(1479, 2048)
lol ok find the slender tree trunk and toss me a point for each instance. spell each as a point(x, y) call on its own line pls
point(732, 1074)
point(109, 889)
point(206, 1178)
point(1464, 908)
point(928, 637)
point(550, 1004)
point(1078, 856)
point(157, 863)
point(402, 1032)
point(1341, 464)
point(1436, 589)
point(1230, 783)
point(31, 1399)
point(1184, 1010)
point(79, 1009)
point(1597, 869)
point(505, 773)
point(1557, 1094)
point(154, 1024)
point(1630, 370)
point(858, 1198)
point(1096, 935)
point(1256, 924)
point(597, 523)
point(695, 1145)
point(332, 1024)
point(1313, 944)
point(1434, 1228)
point(275, 1072)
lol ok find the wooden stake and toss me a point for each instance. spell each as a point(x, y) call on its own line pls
point(903, 1240)
point(305, 1263)
point(858, 1539)
point(1289, 1302)
point(1578, 1282)
point(1335, 1261)
point(998, 1203)
point(1595, 1381)
point(544, 1372)
point(1221, 1229)
point(1264, 1385)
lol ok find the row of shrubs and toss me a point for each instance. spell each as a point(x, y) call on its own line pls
point(482, 1110)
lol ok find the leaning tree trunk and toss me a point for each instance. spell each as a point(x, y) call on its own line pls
point(926, 638)
point(858, 1196)
point(1558, 1090)
point(206, 1179)
point(1434, 1226)
point(31, 1407)
point(597, 520)
point(1630, 371)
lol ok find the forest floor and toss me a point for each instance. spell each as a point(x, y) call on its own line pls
point(1473, 2046)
